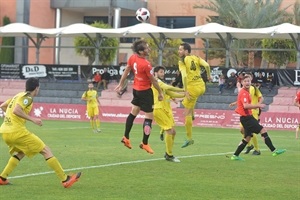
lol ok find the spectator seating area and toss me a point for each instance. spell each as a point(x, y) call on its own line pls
point(10, 87)
point(213, 100)
point(277, 100)
point(284, 100)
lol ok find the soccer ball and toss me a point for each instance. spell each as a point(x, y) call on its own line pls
point(142, 14)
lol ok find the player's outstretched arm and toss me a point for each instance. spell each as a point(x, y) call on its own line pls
point(4, 105)
point(173, 94)
point(207, 68)
point(253, 106)
point(123, 78)
point(172, 88)
point(157, 87)
point(232, 104)
point(20, 113)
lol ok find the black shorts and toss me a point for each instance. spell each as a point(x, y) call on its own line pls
point(251, 125)
point(143, 99)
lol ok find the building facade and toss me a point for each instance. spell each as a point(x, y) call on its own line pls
point(59, 13)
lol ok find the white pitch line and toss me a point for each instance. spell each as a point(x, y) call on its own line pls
point(117, 164)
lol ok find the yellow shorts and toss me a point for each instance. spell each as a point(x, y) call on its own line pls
point(23, 141)
point(163, 118)
point(195, 92)
point(92, 111)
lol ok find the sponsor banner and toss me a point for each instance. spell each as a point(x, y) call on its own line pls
point(78, 112)
point(117, 71)
point(10, 71)
point(50, 72)
point(29, 71)
point(282, 77)
point(203, 118)
point(67, 72)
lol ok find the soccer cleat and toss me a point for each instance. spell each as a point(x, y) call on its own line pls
point(161, 136)
point(71, 180)
point(4, 181)
point(278, 152)
point(187, 143)
point(98, 130)
point(171, 158)
point(146, 148)
point(126, 142)
point(256, 153)
point(248, 149)
point(234, 157)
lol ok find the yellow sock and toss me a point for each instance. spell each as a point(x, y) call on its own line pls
point(255, 142)
point(250, 143)
point(11, 165)
point(92, 123)
point(169, 144)
point(98, 123)
point(188, 127)
point(55, 165)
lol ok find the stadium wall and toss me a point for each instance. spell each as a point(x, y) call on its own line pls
point(203, 118)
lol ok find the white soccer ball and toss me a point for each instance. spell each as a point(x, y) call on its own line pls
point(142, 14)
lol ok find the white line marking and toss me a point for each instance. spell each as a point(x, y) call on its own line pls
point(117, 164)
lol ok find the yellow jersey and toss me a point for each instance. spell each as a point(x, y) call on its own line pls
point(255, 94)
point(13, 123)
point(91, 96)
point(192, 67)
point(169, 92)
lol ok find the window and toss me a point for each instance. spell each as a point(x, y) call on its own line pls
point(92, 19)
point(178, 22)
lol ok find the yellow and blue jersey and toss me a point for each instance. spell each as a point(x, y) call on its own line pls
point(12, 122)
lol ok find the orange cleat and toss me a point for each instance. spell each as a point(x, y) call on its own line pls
point(4, 182)
point(71, 180)
point(146, 148)
point(126, 142)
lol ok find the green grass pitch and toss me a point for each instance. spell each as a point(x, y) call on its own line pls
point(111, 171)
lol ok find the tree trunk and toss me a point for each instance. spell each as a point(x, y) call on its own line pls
point(251, 59)
point(264, 63)
point(233, 60)
point(91, 60)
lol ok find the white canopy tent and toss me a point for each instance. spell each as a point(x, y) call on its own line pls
point(212, 30)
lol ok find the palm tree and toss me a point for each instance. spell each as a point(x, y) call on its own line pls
point(247, 14)
point(297, 12)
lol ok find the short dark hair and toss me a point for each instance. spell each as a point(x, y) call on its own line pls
point(156, 69)
point(186, 46)
point(246, 76)
point(139, 45)
point(32, 84)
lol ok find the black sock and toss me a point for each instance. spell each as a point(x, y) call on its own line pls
point(146, 131)
point(68, 178)
point(240, 148)
point(129, 123)
point(15, 156)
point(268, 141)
